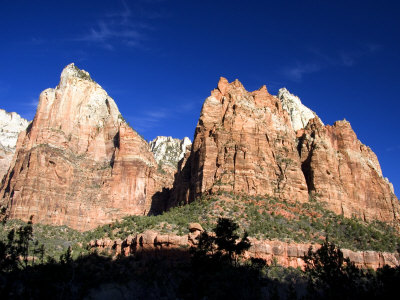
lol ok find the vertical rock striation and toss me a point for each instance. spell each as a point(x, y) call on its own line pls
point(79, 164)
point(244, 143)
point(345, 173)
point(255, 143)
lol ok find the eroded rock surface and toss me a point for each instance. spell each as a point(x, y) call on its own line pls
point(299, 113)
point(79, 164)
point(256, 143)
point(169, 151)
point(245, 143)
point(11, 124)
point(345, 173)
point(285, 254)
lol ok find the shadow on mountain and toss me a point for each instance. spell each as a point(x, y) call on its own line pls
point(181, 192)
point(150, 274)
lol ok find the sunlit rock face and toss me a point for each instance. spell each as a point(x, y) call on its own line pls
point(169, 151)
point(299, 113)
point(255, 143)
point(345, 173)
point(79, 164)
point(11, 124)
point(244, 143)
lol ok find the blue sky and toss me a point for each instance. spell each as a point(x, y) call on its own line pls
point(159, 59)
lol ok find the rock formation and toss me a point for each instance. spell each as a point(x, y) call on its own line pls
point(244, 142)
point(169, 151)
point(11, 124)
point(256, 143)
point(299, 113)
point(79, 164)
point(345, 173)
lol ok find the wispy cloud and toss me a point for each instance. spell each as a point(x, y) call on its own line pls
point(393, 148)
point(123, 27)
point(29, 108)
point(297, 72)
point(147, 120)
point(322, 60)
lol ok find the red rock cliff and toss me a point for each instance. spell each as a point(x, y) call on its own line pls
point(345, 173)
point(79, 164)
point(244, 142)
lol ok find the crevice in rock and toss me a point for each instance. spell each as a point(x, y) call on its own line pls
point(306, 168)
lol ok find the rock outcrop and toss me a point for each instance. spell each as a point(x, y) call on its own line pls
point(345, 173)
point(245, 143)
point(299, 113)
point(169, 151)
point(11, 124)
point(79, 164)
point(285, 254)
point(256, 143)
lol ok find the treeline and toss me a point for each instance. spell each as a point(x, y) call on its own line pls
point(214, 270)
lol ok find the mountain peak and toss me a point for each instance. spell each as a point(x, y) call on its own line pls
point(72, 71)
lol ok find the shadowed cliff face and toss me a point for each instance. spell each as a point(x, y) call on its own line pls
point(80, 164)
point(255, 143)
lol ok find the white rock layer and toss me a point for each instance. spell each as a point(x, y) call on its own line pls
point(299, 113)
point(168, 150)
point(11, 124)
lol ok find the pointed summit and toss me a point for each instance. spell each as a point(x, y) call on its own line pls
point(223, 85)
point(72, 71)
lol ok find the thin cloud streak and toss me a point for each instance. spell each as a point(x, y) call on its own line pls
point(297, 72)
point(393, 148)
point(120, 28)
point(322, 61)
point(152, 119)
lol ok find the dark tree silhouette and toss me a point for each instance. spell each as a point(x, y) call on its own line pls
point(224, 245)
point(331, 275)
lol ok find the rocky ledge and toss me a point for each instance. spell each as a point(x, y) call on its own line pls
point(285, 254)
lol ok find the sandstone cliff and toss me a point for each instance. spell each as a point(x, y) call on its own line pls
point(11, 124)
point(245, 143)
point(79, 164)
point(345, 173)
point(256, 143)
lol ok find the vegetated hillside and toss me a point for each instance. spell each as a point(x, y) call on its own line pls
point(263, 217)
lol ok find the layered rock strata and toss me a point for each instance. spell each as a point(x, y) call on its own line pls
point(79, 164)
point(11, 125)
point(244, 143)
point(285, 254)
